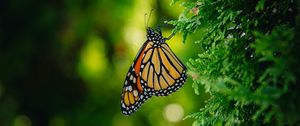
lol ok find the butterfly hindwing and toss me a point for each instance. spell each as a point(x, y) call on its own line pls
point(132, 98)
point(133, 93)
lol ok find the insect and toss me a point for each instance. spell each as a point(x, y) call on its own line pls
point(156, 71)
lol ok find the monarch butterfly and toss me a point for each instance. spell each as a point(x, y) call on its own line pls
point(156, 71)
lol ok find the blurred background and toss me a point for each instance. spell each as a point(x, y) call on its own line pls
point(63, 63)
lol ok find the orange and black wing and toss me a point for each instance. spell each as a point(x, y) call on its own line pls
point(162, 72)
point(133, 93)
point(155, 71)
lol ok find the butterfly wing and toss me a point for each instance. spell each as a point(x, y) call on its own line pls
point(155, 71)
point(132, 97)
point(162, 72)
point(133, 94)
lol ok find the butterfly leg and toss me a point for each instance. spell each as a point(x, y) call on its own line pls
point(171, 36)
point(158, 29)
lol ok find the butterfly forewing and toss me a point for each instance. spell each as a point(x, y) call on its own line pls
point(163, 72)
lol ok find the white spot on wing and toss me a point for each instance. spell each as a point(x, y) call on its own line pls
point(129, 88)
point(134, 80)
point(135, 93)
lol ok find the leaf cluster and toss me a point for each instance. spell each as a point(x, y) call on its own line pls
point(250, 63)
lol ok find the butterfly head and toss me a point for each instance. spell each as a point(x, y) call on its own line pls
point(154, 36)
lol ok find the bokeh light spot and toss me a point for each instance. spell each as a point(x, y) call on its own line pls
point(22, 120)
point(92, 60)
point(173, 113)
point(57, 121)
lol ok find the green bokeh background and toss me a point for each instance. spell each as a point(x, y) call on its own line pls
point(63, 63)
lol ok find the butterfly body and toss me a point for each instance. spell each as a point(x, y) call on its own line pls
point(156, 71)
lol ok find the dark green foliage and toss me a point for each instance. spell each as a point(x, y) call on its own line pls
point(249, 63)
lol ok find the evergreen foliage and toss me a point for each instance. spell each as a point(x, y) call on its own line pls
point(249, 63)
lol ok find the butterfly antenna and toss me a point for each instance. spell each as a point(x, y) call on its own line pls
point(171, 36)
point(145, 23)
point(149, 17)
